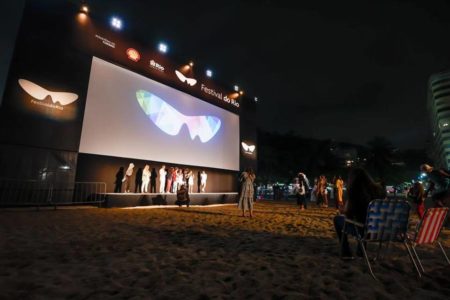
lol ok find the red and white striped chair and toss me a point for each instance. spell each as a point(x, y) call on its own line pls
point(428, 230)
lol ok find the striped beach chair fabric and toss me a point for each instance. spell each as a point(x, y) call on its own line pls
point(387, 221)
point(428, 231)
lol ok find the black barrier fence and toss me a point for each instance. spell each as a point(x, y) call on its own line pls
point(15, 193)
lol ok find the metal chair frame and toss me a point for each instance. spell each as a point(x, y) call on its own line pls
point(386, 222)
point(424, 224)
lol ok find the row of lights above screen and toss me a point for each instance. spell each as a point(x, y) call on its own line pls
point(117, 24)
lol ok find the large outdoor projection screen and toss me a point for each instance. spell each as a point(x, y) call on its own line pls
point(129, 115)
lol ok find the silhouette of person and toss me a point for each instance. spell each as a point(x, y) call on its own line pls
point(183, 196)
point(153, 181)
point(118, 182)
point(138, 181)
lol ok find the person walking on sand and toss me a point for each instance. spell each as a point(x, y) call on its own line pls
point(321, 192)
point(300, 192)
point(339, 192)
point(247, 192)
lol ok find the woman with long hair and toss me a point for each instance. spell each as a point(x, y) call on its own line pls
point(247, 192)
point(361, 189)
point(145, 179)
point(321, 192)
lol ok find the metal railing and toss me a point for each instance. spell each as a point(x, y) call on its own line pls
point(14, 193)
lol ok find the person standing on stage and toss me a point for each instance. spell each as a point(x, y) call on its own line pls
point(174, 180)
point(169, 180)
point(203, 178)
point(162, 179)
point(145, 178)
point(118, 182)
point(190, 181)
point(180, 178)
point(138, 181)
point(127, 177)
point(153, 176)
point(247, 192)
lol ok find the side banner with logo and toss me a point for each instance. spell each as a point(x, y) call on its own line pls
point(46, 88)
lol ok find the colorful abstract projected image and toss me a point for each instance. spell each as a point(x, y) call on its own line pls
point(169, 120)
point(129, 115)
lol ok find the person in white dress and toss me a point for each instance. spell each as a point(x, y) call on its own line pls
point(180, 178)
point(203, 178)
point(145, 179)
point(190, 180)
point(127, 177)
point(162, 178)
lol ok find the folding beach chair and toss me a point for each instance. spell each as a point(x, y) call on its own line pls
point(387, 221)
point(428, 231)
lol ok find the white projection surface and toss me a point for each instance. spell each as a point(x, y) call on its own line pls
point(129, 115)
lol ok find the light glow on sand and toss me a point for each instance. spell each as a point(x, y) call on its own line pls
point(176, 206)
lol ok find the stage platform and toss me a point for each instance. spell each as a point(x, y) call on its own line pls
point(147, 199)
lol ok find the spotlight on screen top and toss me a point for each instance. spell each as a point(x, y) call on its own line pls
point(236, 88)
point(209, 73)
point(116, 23)
point(163, 48)
point(256, 99)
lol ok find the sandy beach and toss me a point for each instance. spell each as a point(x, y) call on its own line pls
point(198, 253)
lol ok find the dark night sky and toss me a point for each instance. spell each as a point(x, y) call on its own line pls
point(347, 71)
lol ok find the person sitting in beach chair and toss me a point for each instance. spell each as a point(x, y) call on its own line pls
point(386, 222)
point(183, 196)
point(361, 190)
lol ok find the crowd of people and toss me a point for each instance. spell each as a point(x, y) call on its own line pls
point(171, 179)
point(361, 189)
point(320, 192)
